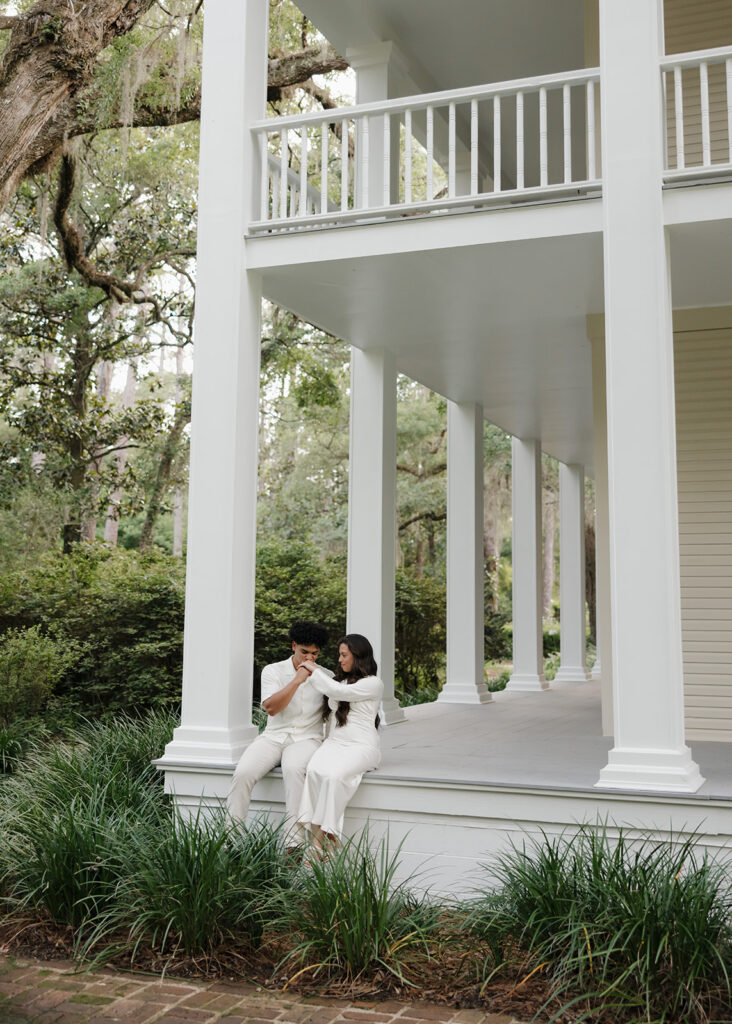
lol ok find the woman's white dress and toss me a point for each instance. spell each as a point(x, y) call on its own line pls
point(337, 766)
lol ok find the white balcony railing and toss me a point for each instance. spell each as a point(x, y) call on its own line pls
point(698, 92)
point(463, 149)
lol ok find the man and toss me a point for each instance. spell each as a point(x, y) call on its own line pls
point(294, 729)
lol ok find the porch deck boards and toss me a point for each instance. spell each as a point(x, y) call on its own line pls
point(548, 740)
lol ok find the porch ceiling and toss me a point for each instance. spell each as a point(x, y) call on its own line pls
point(446, 46)
point(503, 325)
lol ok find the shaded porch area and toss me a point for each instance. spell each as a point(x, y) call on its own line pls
point(547, 740)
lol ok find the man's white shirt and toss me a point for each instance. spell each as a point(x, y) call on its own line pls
point(302, 719)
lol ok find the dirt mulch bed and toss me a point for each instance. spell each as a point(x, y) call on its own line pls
point(449, 978)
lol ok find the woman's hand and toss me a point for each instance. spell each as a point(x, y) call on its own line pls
point(308, 667)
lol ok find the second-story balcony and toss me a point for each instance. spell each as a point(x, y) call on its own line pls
point(499, 144)
point(468, 148)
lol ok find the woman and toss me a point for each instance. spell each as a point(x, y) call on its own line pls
point(351, 707)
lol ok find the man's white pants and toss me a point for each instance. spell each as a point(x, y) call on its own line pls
point(260, 757)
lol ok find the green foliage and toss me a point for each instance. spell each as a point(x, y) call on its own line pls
point(16, 738)
point(497, 635)
point(71, 813)
point(420, 631)
point(638, 929)
point(348, 914)
point(121, 610)
point(292, 583)
point(31, 665)
point(187, 885)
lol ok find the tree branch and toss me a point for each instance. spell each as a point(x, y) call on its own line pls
point(435, 517)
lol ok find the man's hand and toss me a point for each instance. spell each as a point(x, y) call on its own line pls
point(278, 701)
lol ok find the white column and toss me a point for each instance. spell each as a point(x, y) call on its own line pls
point(465, 613)
point(596, 329)
point(528, 654)
point(649, 752)
point(372, 511)
point(572, 618)
point(373, 67)
point(219, 619)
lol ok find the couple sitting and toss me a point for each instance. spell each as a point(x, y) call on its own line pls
point(306, 703)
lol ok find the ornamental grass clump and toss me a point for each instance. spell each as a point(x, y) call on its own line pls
point(71, 811)
point(639, 929)
point(348, 914)
point(190, 885)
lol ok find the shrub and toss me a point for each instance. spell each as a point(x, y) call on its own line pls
point(293, 583)
point(419, 631)
point(497, 636)
point(31, 665)
point(348, 914)
point(639, 929)
point(122, 610)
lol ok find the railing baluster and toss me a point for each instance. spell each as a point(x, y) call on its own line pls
point(275, 192)
point(364, 162)
point(451, 152)
point(496, 143)
point(430, 151)
point(728, 76)
point(519, 140)
point(591, 168)
point(324, 168)
point(387, 160)
point(473, 147)
point(543, 159)
point(344, 164)
point(303, 170)
point(283, 173)
point(704, 87)
point(679, 112)
point(567, 119)
point(264, 172)
point(407, 156)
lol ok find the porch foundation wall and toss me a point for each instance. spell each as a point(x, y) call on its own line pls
point(451, 833)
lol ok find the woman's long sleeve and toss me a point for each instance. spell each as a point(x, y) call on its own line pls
point(370, 688)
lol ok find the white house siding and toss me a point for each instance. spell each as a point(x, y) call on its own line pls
point(698, 25)
point(703, 361)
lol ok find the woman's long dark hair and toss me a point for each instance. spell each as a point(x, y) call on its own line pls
point(363, 665)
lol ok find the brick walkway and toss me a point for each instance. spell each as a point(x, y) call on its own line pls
point(51, 993)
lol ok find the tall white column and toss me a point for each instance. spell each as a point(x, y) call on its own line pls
point(465, 612)
point(572, 666)
point(219, 618)
point(649, 751)
point(528, 653)
point(596, 331)
point(372, 511)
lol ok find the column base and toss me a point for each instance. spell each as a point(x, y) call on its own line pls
point(393, 711)
point(465, 693)
point(527, 683)
point(636, 768)
point(572, 674)
point(207, 746)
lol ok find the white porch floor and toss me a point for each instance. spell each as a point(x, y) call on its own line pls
point(548, 740)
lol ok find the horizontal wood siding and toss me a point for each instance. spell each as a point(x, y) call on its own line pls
point(704, 455)
point(698, 25)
